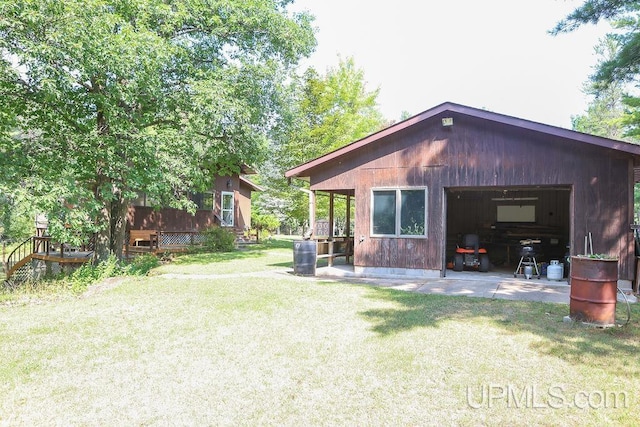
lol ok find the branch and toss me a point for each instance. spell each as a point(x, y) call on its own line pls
point(592, 12)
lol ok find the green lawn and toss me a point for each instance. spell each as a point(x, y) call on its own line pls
point(269, 348)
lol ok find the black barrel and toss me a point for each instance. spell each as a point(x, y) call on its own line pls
point(304, 257)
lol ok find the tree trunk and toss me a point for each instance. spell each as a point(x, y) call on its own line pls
point(103, 236)
point(111, 223)
point(118, 225)
point(103, 221)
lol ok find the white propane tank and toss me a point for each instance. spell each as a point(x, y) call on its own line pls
point(555, 270)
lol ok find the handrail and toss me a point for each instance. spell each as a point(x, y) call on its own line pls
point(19, 253)
point(34, 245)
point(41, 244)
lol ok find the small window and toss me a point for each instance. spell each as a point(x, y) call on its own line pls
point(144, 200)
point(384, 212)
point(399, 212)
point(141, 200)
point(204, 201)
point(227, 208)
point(412, 212)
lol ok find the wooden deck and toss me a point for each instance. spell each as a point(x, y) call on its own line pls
point(139, 250)
point(73, 257)
point(139, 242)
point(41, 248)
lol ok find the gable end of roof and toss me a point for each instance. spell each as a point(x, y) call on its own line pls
point(449, 107)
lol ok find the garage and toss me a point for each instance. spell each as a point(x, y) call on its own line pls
point(421, 184)
point(504, 217)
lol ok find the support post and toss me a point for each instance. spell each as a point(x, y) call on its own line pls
point(331, 216)
point(347, 230)
point(312, 210)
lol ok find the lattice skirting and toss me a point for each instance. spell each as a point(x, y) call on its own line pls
point(33, 271)
point(180, 239)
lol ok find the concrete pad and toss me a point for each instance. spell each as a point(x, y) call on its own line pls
point(494, 284)
point(480, 289)
point(532, 292)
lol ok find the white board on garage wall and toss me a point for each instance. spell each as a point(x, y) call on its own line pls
point(515, 213)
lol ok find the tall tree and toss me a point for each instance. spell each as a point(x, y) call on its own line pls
point(326, 112)
point(622, 68)
point(624, 16)
point(116, 97)
point(605, 114)
point(333, 110)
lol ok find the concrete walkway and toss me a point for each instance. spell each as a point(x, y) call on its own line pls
point(465, 283)
point(494, 284)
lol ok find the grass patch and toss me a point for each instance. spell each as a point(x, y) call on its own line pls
point(270, 254)
point(283, 350)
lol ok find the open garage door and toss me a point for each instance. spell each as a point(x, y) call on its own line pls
point(503, 217)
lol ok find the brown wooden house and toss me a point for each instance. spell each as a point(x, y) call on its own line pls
point(227, 204)
point(423, 183)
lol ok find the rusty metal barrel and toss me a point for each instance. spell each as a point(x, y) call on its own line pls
point(304, 257)
point(594, 285)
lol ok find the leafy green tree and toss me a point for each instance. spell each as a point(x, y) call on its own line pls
point(264, 222)
point(17, 214)
point(326, 112)
point(116, 97)
point(335, 109)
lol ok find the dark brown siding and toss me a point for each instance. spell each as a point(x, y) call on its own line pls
point(243, 207)
point(169, 219)
point(479, 154)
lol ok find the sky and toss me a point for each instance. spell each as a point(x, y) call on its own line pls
point(496, 55)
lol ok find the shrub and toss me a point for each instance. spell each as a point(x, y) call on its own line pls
point(218, 239)
point(265, 222)
point(140, 265)
point(87, 274)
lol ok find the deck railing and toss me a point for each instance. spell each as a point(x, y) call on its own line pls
point(36, 245)
point(22, 251)
point(165, 241)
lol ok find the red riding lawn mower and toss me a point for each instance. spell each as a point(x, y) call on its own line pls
point(471, 255)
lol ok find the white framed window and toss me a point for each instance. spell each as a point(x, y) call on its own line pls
point(227, 208)
point(399, 212)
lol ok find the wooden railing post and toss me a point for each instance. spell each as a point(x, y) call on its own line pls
point(331, 243)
